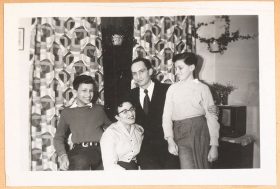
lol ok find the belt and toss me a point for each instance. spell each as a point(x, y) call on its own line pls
point(87, 144)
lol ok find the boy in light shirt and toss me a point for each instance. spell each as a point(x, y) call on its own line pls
point(191, 130)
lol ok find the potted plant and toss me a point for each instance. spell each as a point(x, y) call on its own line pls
point(220, 92)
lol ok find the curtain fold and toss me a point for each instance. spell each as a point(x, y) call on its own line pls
point(61, 48)
point(159, 38)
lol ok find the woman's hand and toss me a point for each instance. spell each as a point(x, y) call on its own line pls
point(213, 154)
point(63, 162)
point(172, 146)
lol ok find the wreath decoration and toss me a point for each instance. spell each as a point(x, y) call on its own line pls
point(225, 38)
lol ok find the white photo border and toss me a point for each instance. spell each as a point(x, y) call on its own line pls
point(16, 78)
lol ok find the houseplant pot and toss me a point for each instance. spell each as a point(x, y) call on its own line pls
point(221, 92)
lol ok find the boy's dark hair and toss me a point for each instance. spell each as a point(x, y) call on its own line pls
point(147, 62)
point(86, 80)
point(188, 58)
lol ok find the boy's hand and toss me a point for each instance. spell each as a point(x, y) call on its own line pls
point(213, 110)
point(213, 154)
point(63, 162)
point(172, 146)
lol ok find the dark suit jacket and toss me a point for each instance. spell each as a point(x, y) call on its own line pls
point(154, 150)
point(152, 123)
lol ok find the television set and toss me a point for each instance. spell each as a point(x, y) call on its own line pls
point(232, 120)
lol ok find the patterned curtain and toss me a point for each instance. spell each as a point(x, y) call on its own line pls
point(61, 48)
point(159, 38)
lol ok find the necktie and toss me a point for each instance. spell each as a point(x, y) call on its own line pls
point(146, 102)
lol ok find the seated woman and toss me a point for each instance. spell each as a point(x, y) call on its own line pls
point(121, 141)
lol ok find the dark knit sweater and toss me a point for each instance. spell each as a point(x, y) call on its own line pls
point(86, 125)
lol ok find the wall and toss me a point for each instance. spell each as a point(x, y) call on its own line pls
point(26, 24)
point(238, 65)
point(24, 64)
point(207, 59)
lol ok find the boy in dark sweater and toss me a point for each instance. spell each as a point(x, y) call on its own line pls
point(86, 121)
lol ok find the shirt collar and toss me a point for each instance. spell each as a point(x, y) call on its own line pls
point(122, 127)
point(150, 88)
point(75, 105)
point(195, 80)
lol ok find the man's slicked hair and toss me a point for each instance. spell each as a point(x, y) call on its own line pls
point(147, 62)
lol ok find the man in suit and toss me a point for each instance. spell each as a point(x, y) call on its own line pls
point(154, 151)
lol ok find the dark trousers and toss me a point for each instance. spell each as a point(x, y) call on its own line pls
point(85, 158)
point(154, 155)
point(193, 139)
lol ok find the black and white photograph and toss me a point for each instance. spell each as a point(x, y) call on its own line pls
point(140, 94)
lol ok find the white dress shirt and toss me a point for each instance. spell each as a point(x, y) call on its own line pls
point(187, 99)
point(117, 144)
point(150, 93)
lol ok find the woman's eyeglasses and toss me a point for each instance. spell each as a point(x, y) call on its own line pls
point(132, 109)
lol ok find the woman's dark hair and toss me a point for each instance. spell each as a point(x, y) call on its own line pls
point(80, 79)
point(120, 103)
point(147, 62)
point(188, 58)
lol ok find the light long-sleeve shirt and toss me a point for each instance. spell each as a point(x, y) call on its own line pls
point(117, 144)
point(187, 99)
